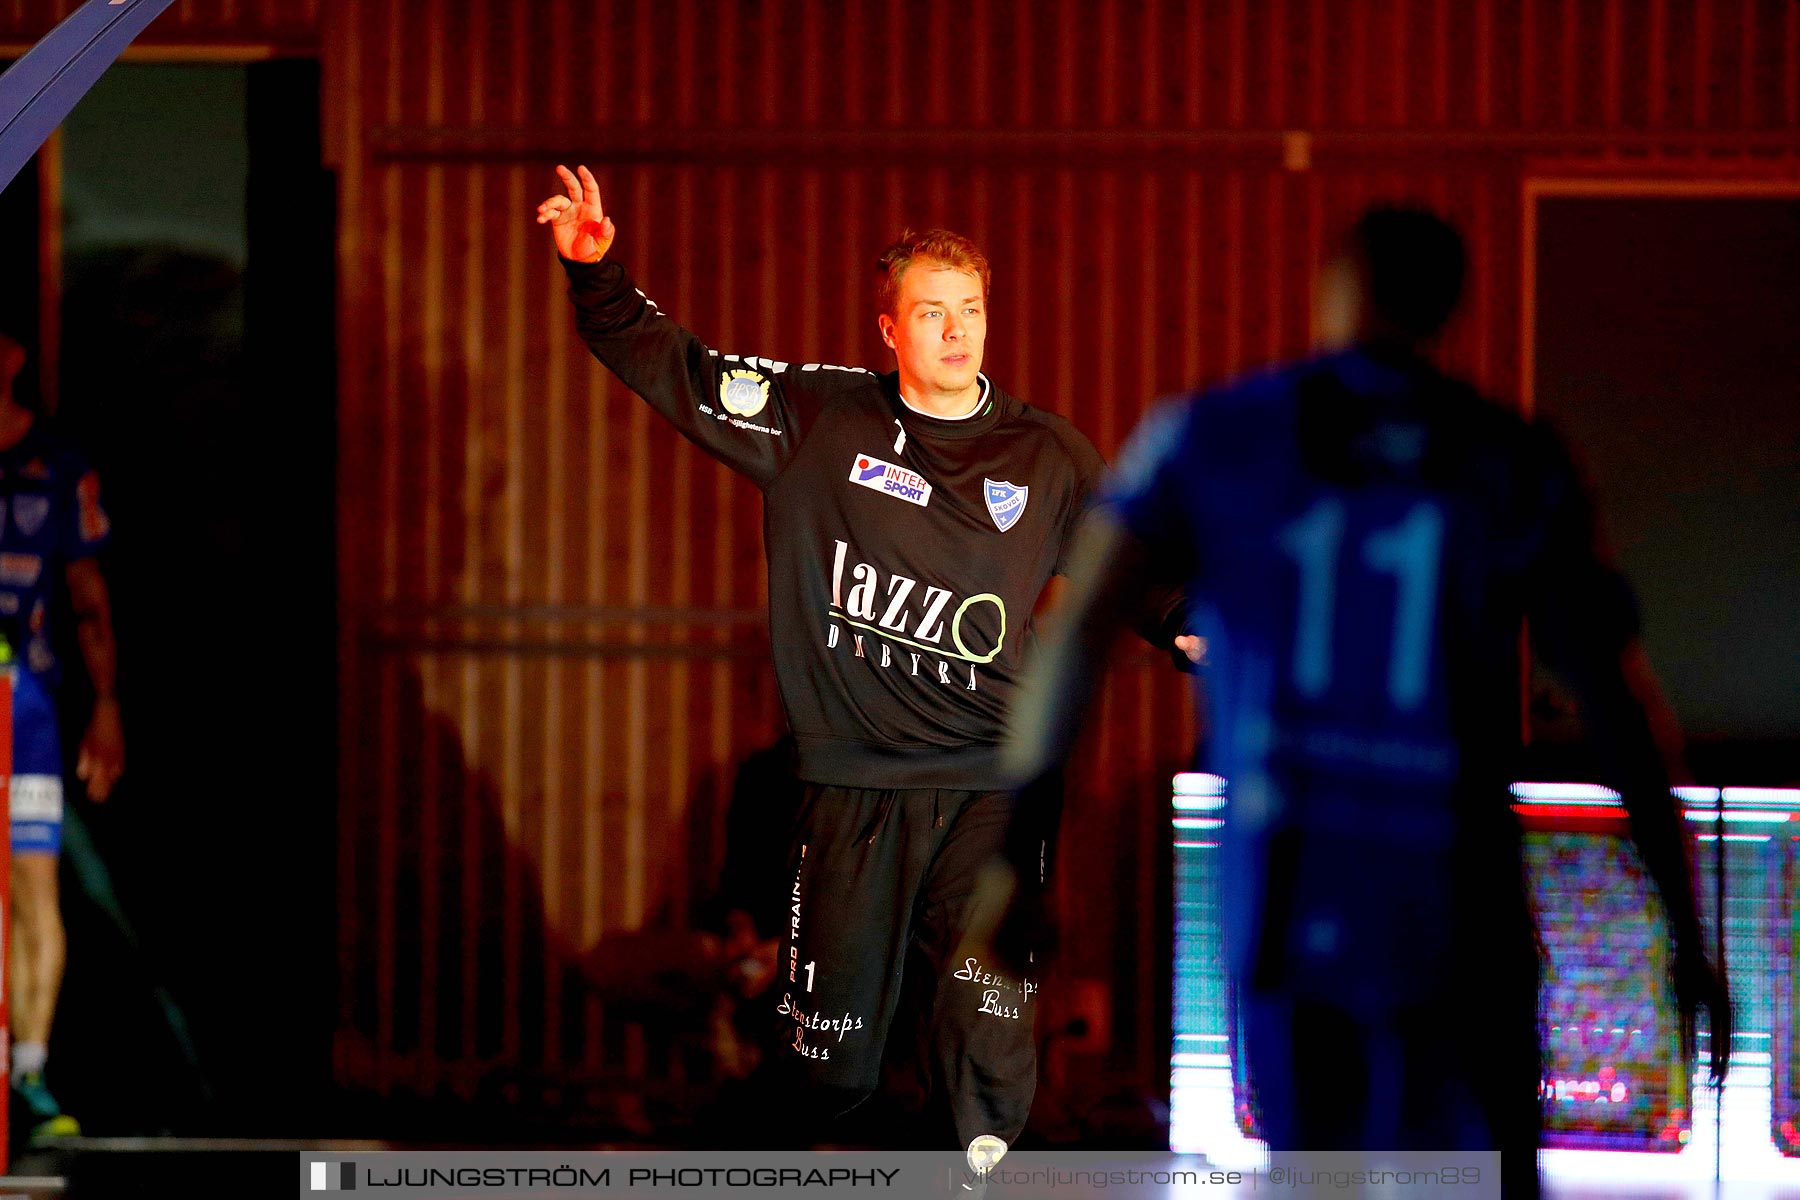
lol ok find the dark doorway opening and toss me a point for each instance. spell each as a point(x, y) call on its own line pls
point(197, 369)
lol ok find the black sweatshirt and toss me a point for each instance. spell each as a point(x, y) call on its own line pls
point(906, 552)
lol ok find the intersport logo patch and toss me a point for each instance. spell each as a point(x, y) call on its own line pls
point(890, 480)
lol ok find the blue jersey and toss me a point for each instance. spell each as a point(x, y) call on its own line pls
point(1363, 539)
point(50, 516)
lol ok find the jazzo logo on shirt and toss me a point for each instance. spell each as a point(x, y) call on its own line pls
point(890, 480)
point(900, 612)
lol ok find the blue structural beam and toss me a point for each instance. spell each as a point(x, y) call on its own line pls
point(42, 88)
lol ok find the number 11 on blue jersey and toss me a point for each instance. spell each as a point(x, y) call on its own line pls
point(1411, 551)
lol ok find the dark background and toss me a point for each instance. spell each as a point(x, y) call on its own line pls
point(197, 370)
point(1667, 351)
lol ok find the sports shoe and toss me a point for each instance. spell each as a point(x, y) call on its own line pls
point(39, 1113)
point(984, 1153)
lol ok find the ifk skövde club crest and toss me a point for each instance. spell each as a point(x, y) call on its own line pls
point(30, 513)
point(1005, 501)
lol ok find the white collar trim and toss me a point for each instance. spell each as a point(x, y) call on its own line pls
point(979, 402)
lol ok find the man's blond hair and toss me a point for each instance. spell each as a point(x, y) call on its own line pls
point(939, 247)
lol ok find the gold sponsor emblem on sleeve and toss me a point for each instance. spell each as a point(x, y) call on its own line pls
point(743, 393)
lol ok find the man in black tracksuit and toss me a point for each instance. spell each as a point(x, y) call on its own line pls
point(911, 521)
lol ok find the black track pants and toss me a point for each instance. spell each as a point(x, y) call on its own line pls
point(957, 876)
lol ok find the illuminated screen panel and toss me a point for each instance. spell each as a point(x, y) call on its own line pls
point(1201, 1091)
point(1784, 1048)
point(1759, 852)
point(1613, 1074)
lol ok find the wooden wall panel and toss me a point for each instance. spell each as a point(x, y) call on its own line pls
point(552, 606)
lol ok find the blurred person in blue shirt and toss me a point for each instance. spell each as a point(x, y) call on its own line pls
point(51, 527)
point(1363, 538)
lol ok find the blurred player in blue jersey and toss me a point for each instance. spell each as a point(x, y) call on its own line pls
point(1364, 537)
point(51, 522)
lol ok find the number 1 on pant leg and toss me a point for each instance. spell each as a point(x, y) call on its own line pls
point(809, 976)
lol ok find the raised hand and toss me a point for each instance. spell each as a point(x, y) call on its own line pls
point(581, 227)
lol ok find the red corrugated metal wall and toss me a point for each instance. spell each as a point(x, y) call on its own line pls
point(553, 649)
